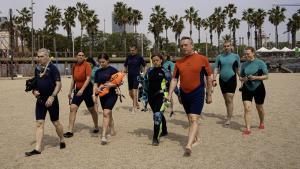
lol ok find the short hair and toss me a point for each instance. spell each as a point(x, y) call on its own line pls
point(250, 48)
point(187, 38)
point(133, 46)
point(44, 51)
point(158, 55)
point(91, 60)
point(227, 41)
point(103, 56)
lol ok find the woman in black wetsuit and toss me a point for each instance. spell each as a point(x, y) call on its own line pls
point(156, 90)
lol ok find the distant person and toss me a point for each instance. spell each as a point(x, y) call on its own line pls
point(253, 72)
point(227, 65)
point(192, 69)
point(156, 89)
point(134, 65)
point(48, 85)
point(108, 101)
point(82, 90)
point(94, 67)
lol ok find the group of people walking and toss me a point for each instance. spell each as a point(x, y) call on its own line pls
point(192, 71)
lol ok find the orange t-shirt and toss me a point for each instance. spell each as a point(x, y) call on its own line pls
point(80, 72)
point(191, 70)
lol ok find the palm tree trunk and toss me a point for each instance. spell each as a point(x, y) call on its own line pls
point(22, 45)
point(125, 40)
point(276, 36)
point(167, 40)
point(81, 38)
point(54, 45)
point(219, 34)
point(211, 39)
point(248, 35)
point(69, 46)
point(255, 38)
point(234, 40)
point(293, 39)
point(91, 46)
point(260, 37)
point(191, 30)
point(176, 46)
point(199, 36)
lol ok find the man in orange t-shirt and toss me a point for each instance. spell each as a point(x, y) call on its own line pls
point(82, 90)
point(191, 70)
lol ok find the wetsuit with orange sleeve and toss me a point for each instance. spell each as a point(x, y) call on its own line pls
point(191, 70)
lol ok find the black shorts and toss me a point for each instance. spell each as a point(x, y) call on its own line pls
point(229, 86)
point(132, 82)
point(108, 101)
point(86, 97)
point(193, 102)
point(259, 94)
point(41, 109)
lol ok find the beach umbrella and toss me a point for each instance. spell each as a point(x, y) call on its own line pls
point(285, 49)
point(274, 50)
point(263, 49)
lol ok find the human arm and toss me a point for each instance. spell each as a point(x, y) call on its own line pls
point(54, 94)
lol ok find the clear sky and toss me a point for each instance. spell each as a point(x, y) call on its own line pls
point(104, 9)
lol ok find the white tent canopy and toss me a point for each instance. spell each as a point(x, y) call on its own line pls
point(285, 49)
point(274, 50)
point(263, 49)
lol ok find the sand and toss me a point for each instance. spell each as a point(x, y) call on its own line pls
point(275, 147)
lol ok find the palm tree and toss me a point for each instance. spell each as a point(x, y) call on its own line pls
point(259, 18)
point(276, 16)
point(293, 26)
point(136, 18)
point(167, 25)
point(52, 22)
point(81, 9)
point(91, 27)
point(22, 24)
point(230, 9)
point(123, 16)
point(177, 27)
point(219, 21)
point(210, 25)
point(248, 17)
point(198, 24)
point(233, 25)
point(191, 15)
point(68, 22)
point(157, 19)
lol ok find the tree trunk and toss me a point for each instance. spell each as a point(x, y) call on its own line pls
point(260, 37)
point(199, 36)
point(211, 39)
point(255, 38)
point(276, 36)
point(248, 35)
point(293, 39)
point(219, 34)
point(81, 38)
point(125, 41)
point(234, 40)
point(54, 45)
point(191, 30)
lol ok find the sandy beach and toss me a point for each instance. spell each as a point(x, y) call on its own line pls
point(275, 147)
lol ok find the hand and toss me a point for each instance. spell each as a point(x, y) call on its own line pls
point(49, 101)
point(94, 98)
point(208, 99)
point(79, 93)
point(69, 95)
point(36, 93)
point(244, 79)
point(252, 77)
point(214, 83)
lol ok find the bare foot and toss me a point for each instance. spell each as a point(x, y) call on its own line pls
point(196, 142)
point(188, 151)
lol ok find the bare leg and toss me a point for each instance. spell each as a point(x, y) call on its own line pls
point(193, 130)
point(261, 114)
point(228, 98)
point(72, 117)
point(112, 125)
point(247, 116)
point(39, 134)
point(94, 116)
point(59, 130)
point(105, 125)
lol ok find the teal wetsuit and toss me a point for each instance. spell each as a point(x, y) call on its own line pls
point(169, 65)
point(227, 65)
point(255, 68)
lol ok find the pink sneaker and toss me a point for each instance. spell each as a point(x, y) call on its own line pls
point(246, 132)
point(261, 126)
